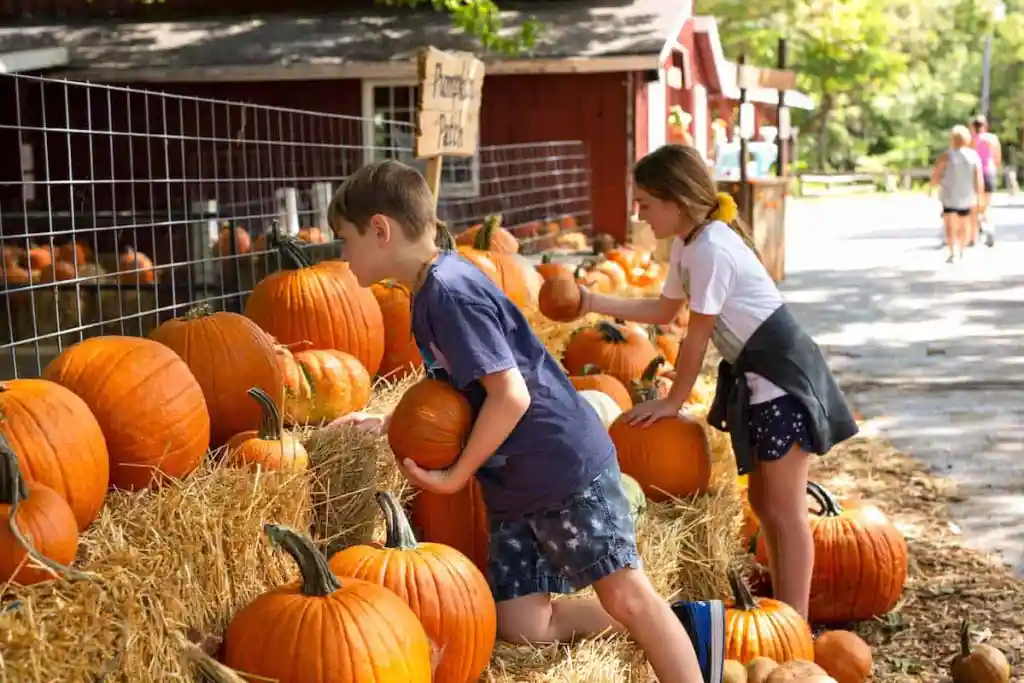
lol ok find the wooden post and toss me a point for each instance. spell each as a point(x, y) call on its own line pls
point(744, 182)
point(448, 121)
point(781, 161)
point(433, 177)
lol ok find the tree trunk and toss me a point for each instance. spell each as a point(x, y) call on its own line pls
point(825, 111)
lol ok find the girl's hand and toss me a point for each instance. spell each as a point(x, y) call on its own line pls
point(647, 413)
point(445, 482)
point(366, 423)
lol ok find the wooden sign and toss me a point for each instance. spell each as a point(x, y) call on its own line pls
point(451, 88)
point(749, 77)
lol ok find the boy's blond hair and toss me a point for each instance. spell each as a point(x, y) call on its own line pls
point(389, 188)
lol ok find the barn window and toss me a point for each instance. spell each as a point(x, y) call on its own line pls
point(391, 102)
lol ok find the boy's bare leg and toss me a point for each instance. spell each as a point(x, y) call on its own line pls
point(539, 619)
point(631, 599)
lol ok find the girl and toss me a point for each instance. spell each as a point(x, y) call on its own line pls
point(958, 173)
point(775, 391)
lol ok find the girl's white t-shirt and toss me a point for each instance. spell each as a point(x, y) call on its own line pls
point(721, 276)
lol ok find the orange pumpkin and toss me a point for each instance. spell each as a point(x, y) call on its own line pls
point(12, 254)
point(666, 342)
point(799, 671)
point(844, 656)
point(860, 561)
point(348, 631)
point(468, 236)
point(507, 272)
point(39, 258)
point(43, 519)
point(401, 355)
point(669, 458)
point(764, 628)
point(549, 268)
point(268, 447)
point(59, 442)
point(60, 271)
point(321, 385)
point(322, 304)
point(559, 298)
point(314, 236)
point(448, 594)
point(458, 520)
point(136, 267)
point(593, 379)
point(430, 424)
point(594, 280)
point(223, 246)
point(981, 664)
point(618, 350)
point(147, 402)
point(228, 354)
point(73, 252)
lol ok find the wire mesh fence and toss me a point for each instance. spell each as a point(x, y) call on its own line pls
point(121, 208)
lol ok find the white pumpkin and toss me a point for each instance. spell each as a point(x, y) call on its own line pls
point(605, 406)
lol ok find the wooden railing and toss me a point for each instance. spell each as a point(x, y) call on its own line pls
point(811, 184)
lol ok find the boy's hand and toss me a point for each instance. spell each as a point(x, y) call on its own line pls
point(647, 413)
point(367, 423)
point(446, 481)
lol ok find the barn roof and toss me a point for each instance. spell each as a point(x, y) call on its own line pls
point(617, 33)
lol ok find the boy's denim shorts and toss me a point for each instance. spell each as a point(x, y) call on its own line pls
point(566, 547)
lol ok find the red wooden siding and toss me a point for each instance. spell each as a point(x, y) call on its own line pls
point(588, 107)
point(641, 122)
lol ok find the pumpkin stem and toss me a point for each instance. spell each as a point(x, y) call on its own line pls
point(830, 507)
point(653, 332)
point(318, 580)
point(741, 594)
point(965, 638)
point(399, 533)
point(485, 236)
point(198, 311)
point(590, 369)
point(611, 333)
point(13, 490)
point(646, 388)
point(270, 423)
point(545, 259)
point(290, 249)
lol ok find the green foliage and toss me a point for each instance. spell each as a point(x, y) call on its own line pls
point(889, 78)
point(481, 19)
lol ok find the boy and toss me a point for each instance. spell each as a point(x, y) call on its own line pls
point(559, 520)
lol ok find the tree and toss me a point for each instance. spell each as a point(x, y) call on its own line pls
point(481, 19)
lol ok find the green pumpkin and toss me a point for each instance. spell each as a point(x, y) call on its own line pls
point(635, 496)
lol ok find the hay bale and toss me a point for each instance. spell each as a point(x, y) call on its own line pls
point(348, 468)
point(186, 556)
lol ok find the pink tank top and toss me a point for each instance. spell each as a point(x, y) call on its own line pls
point(983, 146)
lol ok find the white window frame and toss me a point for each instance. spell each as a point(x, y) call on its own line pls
point(449, 189)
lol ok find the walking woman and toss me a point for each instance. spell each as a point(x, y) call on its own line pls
point(986, 144)
point(961, 186)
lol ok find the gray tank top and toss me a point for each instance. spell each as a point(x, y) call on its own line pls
point(958, 179)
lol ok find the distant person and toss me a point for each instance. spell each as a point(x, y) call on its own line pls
point(986, 144)
point(958, 173)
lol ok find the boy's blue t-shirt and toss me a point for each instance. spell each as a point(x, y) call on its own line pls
point(466, 328)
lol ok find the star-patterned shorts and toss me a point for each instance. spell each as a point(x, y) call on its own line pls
point(566, 547)
point(778, 425)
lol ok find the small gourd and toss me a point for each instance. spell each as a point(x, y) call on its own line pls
point(760, 668)
point(980, 664)
point(734, 672)
point(799, 671)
